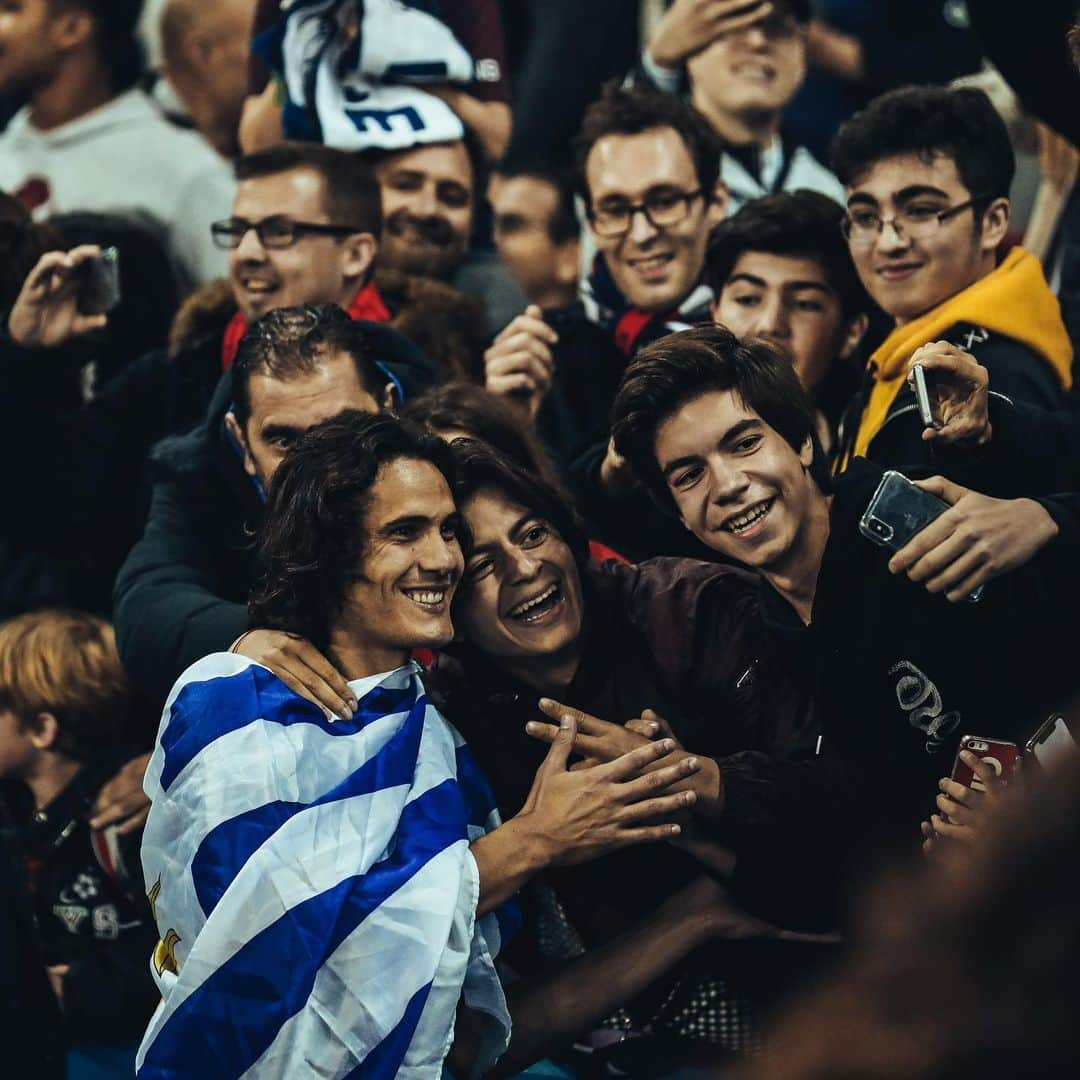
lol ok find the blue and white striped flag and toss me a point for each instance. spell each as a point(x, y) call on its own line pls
point(312, 882)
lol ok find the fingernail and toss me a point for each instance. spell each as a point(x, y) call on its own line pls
point(690, 798)
point(941, 784)
point(653, 727)
point(546, 702)
point(692, 764)
point(676, 829)
point(666, 744)
point(564, 723)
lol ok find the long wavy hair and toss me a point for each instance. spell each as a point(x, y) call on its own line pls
point(312, 541)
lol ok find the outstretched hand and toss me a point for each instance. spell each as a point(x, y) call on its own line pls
point(599, 741)
point(976, 540)
point(46, 312)
point(582, 814)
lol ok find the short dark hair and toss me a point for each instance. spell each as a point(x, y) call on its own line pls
point(802, 224)
point(351, 190)
point(478, 465)
point(633, 110)
point(487, 417)
point(312, 539)
point(680, 367)
point(292, 341)
point(928, 121)
point(115, 26)
point(474, 151)
point(563, 225)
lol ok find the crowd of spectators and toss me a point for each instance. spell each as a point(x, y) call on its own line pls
point(452, 616)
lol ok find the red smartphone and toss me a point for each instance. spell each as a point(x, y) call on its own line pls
point(1000, 755)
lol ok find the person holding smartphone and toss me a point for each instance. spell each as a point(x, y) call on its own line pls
point(722, 434)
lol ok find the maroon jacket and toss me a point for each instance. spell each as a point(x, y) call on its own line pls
point(684, 638)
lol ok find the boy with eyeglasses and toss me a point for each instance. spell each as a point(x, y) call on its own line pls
point(927, 171)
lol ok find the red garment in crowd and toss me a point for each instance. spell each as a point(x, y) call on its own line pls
point(367, 304)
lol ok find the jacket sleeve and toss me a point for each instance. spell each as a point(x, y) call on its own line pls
point(1037, 449)
point(168, 605)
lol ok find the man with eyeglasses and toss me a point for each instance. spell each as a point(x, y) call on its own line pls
point(648, 170)
point(927, 171)
point(741, 62)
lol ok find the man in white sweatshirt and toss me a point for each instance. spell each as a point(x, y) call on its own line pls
point(87, 140)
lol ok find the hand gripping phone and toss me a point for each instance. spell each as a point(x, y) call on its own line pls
point(924, 396)
point(99, 289)
point(1000, 755)
point(898, 510)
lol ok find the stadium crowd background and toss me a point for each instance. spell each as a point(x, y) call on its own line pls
point(658, 273)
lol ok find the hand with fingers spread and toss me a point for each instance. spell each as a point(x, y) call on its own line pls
point(963, 810)
point(122, 801)
point(46, 312)
point(598, 742)
point(960, 394)
point(301, 667)
point(976, 540)
point(689, 26)
point(520, 362)
point(581, 815)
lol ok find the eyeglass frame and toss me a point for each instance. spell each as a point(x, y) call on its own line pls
point(685, 197)
point(941, 215)
point(299, 229)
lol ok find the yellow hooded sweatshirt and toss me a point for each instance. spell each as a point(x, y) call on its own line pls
point(1013, 300)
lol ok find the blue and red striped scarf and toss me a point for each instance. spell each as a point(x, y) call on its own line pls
point(631, 327)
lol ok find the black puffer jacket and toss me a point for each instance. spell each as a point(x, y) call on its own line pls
point(182, 591)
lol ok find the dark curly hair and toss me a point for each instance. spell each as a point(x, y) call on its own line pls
point(793, 223)
point(633, 110)
point(681, 367)
point(927, 121)
point(464, 406)
point(313, 538)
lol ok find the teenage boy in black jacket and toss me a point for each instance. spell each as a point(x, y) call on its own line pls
point(722, 433)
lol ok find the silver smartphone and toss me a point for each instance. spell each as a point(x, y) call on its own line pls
point(923, 396)
point(897, 511)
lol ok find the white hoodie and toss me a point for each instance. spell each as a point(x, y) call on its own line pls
point(125, 158)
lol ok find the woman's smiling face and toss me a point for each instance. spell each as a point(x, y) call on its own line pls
point(520, 599)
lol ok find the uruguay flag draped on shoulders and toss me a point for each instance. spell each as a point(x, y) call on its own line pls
point(312, 882)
